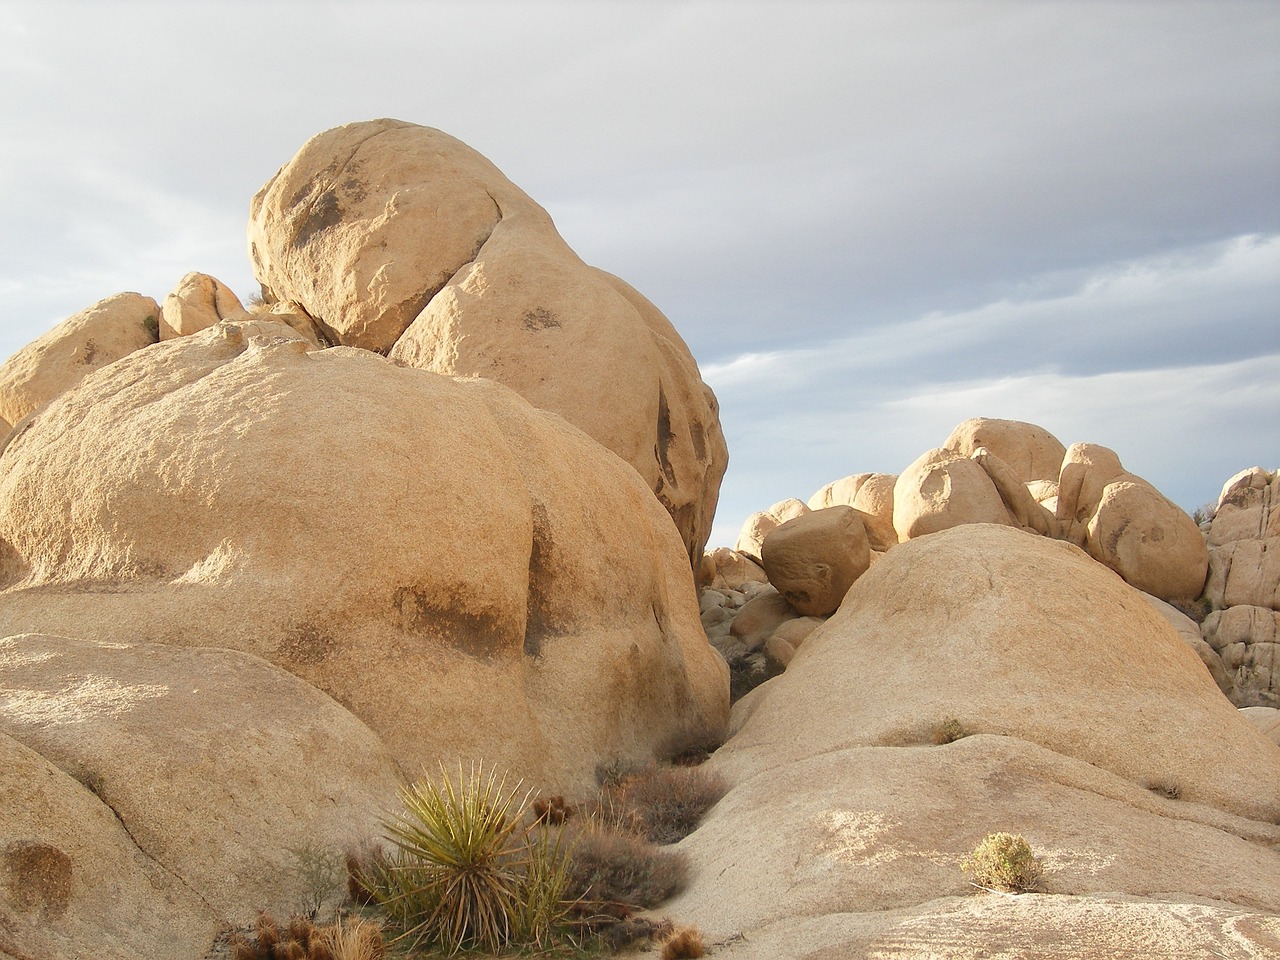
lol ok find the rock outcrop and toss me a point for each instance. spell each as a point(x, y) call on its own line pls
point(941, 490)
point(871, 494)
point(84, 342)
point(1243, 589)
point(402, 240)
point(220, 766)
point(1081, 716)
point(1031, 451)
point(438, 557)
point(73, 883)
point(197, 303)
point(751, 537)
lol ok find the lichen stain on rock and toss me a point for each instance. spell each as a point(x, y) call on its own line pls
point(36, 878)
point(480, 635)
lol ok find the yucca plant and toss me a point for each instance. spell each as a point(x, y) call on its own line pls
point(468, 871)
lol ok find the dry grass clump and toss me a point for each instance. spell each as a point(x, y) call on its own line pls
point(1003, 861)
point(302, 939)
point(661, 804)
point(684, 944)
point(609, 870)
point(949, 731)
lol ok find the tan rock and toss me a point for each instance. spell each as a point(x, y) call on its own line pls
point(74, 884)
point(1087, 468)
point(1031, 452)
point(758, 525)
point(813, 559)
point(1034, 649)
point(199, 301)
point(1046, 926)
point(438, 556)
point(1248, 508)
point(1189, 631)
point(871, 494)
point(1078, 651)
point(403, 240)
point(760, 616)
point(1149, 540)
point(1023, 508)
point(216, 762)
point(839, 491)
point(1248, 640)
point(796, 631)
point(730, 569)
point(1266, 719)
point(1245, 572)
point(1043, 491)
point(778, 652)
point(884, 829)
point(84, 342)
point(941, 490)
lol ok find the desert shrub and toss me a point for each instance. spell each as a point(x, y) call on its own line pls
point(468, 872)
point(1003, 861)
point(662, 804)
point(1166, 789)
point(1204, 512)
point(319, 872)
point(683, 944)
point(949, 731)
point(609, 870)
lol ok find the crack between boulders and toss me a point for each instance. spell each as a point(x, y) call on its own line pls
point(217, 914)
point(425, 301)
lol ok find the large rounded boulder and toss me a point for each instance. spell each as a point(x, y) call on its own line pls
point(1031, 451)
point(941, 490)
point(401, 239)
point(437, 556)
point(76, 347)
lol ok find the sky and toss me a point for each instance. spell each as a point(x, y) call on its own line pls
point(868, 220)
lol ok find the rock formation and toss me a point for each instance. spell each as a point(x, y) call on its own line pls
point(402, 240)
point(1084, 723)
point(79, 345)
point(437, 556)
point(219, 765)
point(1243, 591)
point(814, 559)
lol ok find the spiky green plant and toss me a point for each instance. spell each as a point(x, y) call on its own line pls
point(468, 871)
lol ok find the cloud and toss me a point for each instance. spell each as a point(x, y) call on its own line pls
point(1132, 356)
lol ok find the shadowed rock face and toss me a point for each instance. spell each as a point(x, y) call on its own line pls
point(402, 240)
point(439, 557)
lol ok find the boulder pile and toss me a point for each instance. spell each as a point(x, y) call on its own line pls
point(259, 566)
point(1001, 472)
point(1243, 591)
point(978, 680)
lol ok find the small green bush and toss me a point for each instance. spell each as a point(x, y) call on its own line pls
point(1003, 861)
